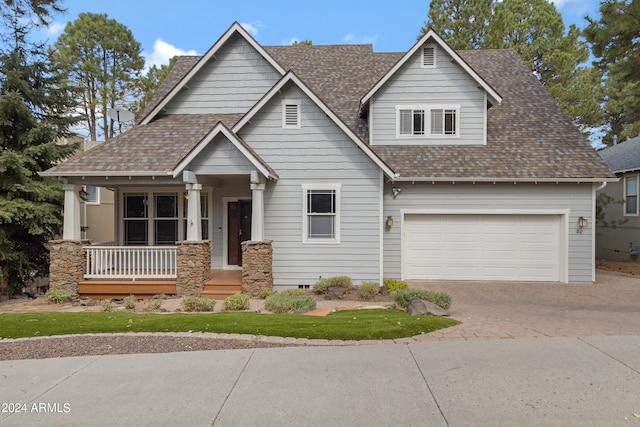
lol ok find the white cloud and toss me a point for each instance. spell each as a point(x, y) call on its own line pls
point(251, 28)
point(54, 28)
point(352, 39)
point(288, 42)
point(162, 53)
point(561, 3)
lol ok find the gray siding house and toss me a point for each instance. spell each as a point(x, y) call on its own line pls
point(618, 234)
point(430, 164)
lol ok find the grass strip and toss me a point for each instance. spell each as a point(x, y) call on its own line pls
point(343, 325)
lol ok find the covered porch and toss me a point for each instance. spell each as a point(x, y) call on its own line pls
point(169, 239)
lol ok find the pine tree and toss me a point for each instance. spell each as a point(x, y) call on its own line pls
point(615, 41)
point(461, 23)
point(102, 59)
point(34, 112)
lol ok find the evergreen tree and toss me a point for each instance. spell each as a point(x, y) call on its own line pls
point(149, 84)
point(461, 23)
point(34, 112)
point(102, 59)
point(615, 41)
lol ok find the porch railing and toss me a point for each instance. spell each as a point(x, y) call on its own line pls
point(131, 262)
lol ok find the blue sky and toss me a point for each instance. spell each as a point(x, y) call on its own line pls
point(168, 27)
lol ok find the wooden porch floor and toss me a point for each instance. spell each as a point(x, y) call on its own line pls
point(220, 285)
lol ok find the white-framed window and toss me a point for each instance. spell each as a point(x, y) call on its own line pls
point(428, 121)
point(290, 114)
point(631, 195)
point(159, 217)
point(429, 56)
point(93, 195)
point(321, 213)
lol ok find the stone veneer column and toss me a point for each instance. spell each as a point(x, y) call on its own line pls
point(193, 266)
point(67, 262)
point(257, 267)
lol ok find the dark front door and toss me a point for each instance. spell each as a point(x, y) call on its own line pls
point(239, 226)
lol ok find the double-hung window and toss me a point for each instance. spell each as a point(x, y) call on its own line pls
point(321, 213)
point(631, 195)
point(428, 121)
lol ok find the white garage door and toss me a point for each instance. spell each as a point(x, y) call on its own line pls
point(482, 247)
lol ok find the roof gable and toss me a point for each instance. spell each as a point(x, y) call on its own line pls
point(236, 28)
point(220, 128)
point(291, 77)
point(623, 157)
point(494, 97)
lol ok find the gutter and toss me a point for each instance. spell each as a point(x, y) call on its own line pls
point(514, 180)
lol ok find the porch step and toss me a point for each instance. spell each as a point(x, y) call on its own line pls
point(222, 284)
point(102, 289)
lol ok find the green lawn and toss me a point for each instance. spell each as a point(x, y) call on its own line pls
point(343, 325)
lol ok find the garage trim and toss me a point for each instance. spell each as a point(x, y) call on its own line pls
point(563, 238)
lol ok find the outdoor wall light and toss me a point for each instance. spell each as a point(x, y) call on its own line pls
point(389, 221)
point(396, 191)
point(583, 222)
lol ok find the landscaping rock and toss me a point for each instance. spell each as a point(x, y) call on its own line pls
point(88, 302)
point(420, 307)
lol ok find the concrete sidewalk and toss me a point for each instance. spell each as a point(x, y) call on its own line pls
point(542, 382)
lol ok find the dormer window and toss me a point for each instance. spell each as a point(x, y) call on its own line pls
point(428, 121)
point(429, 56)
point(290, 114)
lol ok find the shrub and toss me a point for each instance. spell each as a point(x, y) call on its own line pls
point(368, 290)
point(58, 296)
point(155, 304)
point(106, 305)
point(322, 285)
point(281, 303)
point(265, 292)
point(404, 297)
point(292, 292)
point(197, 304)
point(236, 302)
point(394, 285)
point(130, 302)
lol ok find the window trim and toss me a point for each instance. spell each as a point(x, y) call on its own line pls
point(435, 55)
point(97, 199)
point(305, 218)
point(624, 209)
point(285, 103)
point(428, 111)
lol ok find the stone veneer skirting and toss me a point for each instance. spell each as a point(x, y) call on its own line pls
point(67, 263)
point(193, 266)
point(257, 267)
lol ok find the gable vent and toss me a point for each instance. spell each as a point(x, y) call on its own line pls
point(291, 116)
point(429, 56)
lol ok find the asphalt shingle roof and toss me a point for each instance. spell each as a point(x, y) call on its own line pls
point(624, 156)
point(528, 136)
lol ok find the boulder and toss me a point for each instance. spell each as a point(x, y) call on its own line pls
point(420, 307)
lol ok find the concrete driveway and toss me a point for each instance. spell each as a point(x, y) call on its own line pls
point(611, 306)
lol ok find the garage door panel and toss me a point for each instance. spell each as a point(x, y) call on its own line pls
point(482, 247)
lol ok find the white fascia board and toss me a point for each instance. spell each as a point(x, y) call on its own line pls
point(235, 28)
point(291, 77)
point(105, 173)
point(220, 128)
point(495, 97)
point(513, 180)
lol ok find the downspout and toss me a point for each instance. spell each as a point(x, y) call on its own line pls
point(604, 184)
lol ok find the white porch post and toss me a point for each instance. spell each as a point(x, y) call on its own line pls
point(257, 206)
point(194, 228)
point(71, 224)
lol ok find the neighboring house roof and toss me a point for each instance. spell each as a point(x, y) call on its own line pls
point(623, 157)
point(529, 138)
